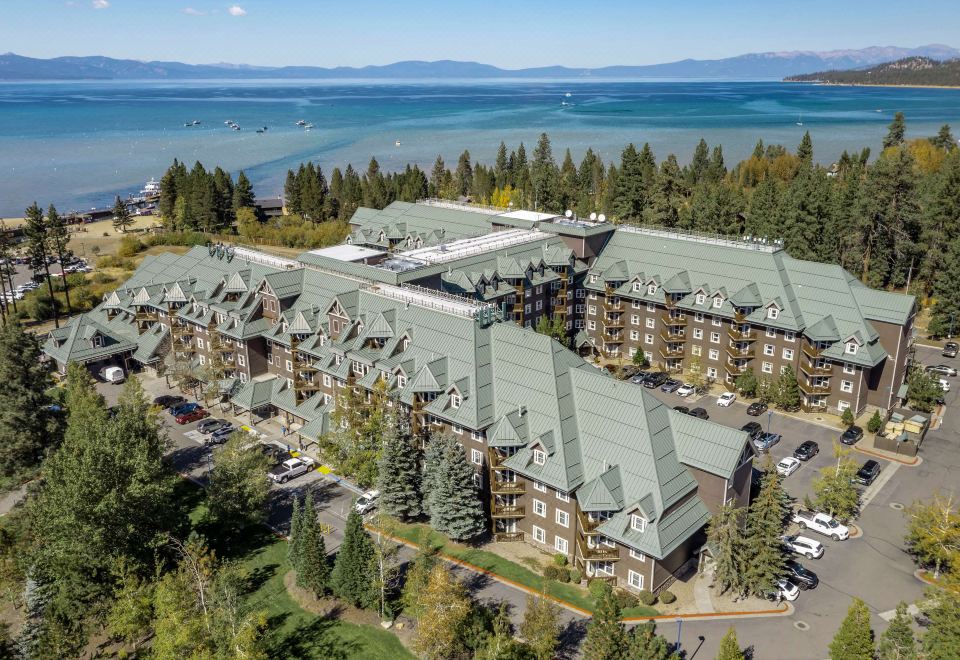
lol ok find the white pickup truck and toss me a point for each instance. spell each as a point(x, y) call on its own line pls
point(822, 523)
point(290, 469)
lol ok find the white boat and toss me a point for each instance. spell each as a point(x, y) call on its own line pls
point(301, 123)
point(568, 94)
point(397, 143)
point(800, 120)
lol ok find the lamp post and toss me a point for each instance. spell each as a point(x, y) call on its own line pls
point(769, 417)
point(679, 628)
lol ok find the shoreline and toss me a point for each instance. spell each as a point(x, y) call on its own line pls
point(852, 84)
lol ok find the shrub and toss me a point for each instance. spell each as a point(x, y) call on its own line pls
point(626, 599)
point(847, 418)
point(598, 588)
point(129, 246)
point(575, 576)
point(875, 422)
point(560, 559)
point(102, 278)
point(563, 574)
point(647, 597)
point(667, 597)
point(552, 572)
point(95, 249)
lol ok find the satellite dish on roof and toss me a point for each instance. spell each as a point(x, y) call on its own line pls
point(593, 216)
point(602, 218)
point(568, 213)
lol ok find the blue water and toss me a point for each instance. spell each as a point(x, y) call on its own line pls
point(77, 144)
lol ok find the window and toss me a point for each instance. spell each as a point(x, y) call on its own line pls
point(539, 305)
point(718, 302)
point(634, 335)
point(542, 487)
point(563, 518)
point(846, 386)
point(648, 339)
point(769, 349)
point(203, 360)
point(773, 313)
point(771, 333)
point(634, 319)
point(634, 579)
point(560, 545)
point(636, 304)
point(539, 535)
point(711, 372)
point(592, 310)
point(455, 400)
point(289, 365)
point(648, 355)
point(593, 278)
point(593, 295)
point(326, 380)
point(591, 325)
point(540, 508)
point(401, 380)
point(842, 405)
point(477, 435)
point(563, 497)
point(540, 288)
point(698, 317)
point(701, 298)
point(652, 289)
point(789, 335)
point(579, 309)
point(580, 293)
point(637, 286)
point(696, 350)
point(476, 457)
point(651, 323)
point(639, 556)
point(528, 292)
point(651, 307)
point(243, 377)
point(767, 367)
point(458, 429)
point(788, 354)
point(698, 333)
point(637, 523)
point(603, 567)
point(714, 354)
point(199, 342)
point(849, 368)
point(578, 323)
point(714, 337)
point(716, 321)
point(851, 348)
point(242, 361)
point(526, 308)
point(539, 457)
point(632, 351)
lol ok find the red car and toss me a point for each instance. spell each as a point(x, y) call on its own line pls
point(192, 416)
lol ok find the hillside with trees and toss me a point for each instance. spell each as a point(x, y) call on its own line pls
point(910, 71)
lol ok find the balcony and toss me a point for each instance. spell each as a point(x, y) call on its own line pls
point(669, 319)
point(616, 322)
point(671, 353)
point(739, 317)
point(507, 511)
point(596, 551)
point(507, 487)
point(813, 407)
point(736, 369)
point(811, 369)
point(146, 316)
point(812, 352)
point(739, 353)
point(611, 338)
point(738, 335)
point(496, 459)
point(301, 384)
point(586, 525)
point(613, 307)
point(672, 336)
point(813, 389)
point(507, 536)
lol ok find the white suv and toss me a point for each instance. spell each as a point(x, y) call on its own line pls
point(726, 399)
point(801, 545)
point(367, 501)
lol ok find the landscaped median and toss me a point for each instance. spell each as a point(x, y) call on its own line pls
point(571, 596)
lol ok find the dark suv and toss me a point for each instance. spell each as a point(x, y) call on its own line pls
point(867, 473)
point(655, 379)
point(852, 435)
point(752, 429)
point(800, 576)
point(756, 408)
point(807, 450)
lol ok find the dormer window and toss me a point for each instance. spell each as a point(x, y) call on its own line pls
point(455, 400)
point(406, 344)
point(637, 523)
point(851, 348)
point(401, 380)
point(718, 302)
point(97, 341)
point(637, 286)
point(593, 279)
point(539, 456)
point(652, 289)
point(283, 327)
point(773, 313)
point(701, 298)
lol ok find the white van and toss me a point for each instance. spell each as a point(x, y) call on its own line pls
point(112, 374)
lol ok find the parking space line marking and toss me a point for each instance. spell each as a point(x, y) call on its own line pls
point(875, 487)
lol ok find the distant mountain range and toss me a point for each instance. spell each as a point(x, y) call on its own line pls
point(751, 66)
point(908, 71)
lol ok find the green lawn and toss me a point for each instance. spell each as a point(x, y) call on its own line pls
point(505, 568)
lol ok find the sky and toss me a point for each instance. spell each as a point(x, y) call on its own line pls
point(509, 34)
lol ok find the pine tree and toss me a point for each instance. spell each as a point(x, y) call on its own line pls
point(606, 638)
point(243, 196)
point(725, 535)
point(27, 429)
point(764, 218)
point(463, 176)
point(291, 194)
point(700, 163)
point(854, 639)
point(352, 576)
point(761, 542)
point(59, 237)
point(945, 315)
point(541, 627)
point(668, 195)
point(398, 477)
point(501, 172)
point(645, 644)
point(787, 391)
point(631, 190)
point(895, 132)
point(39, 249)
point(942, 639)
point(453, 501)
point(544, 176)
point(805, 149)
point(944, 139)
point(121, 215)
point(313, 567)
point(730, 647)
point(897, 641)
point(294, 546)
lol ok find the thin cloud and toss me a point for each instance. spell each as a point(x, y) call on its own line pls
point(100, 4)
point(190, 11)
point(237, 10)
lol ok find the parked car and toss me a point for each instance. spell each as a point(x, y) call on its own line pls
point(699, 413)
point(785, 590)
point(726, 399)
point(944, 384)
point(112, 375)
point(802, 576)
point(788, 466)
point(867, 473)
point(822, 523)
point(169, 400)
point(852, 435)
point(367, 501)
point(950, 349)
point(655, 379)
point(192, 416)
point(942, 370)
point(221, 435)
point(183, 408)
point(752, 429)
point(756, 408)
point(682, 409)
point(275, 453)
point(801, 545)
point(290, 469)
point(639, 377)
point(686, 390)
point(807, 450)
point(628, 371)
point(209, 426)
point(671, 386)
point(766, 440)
